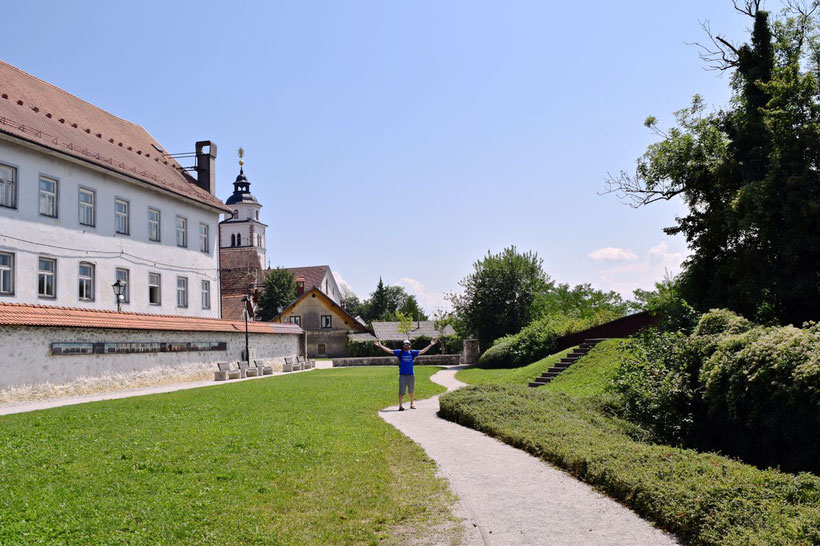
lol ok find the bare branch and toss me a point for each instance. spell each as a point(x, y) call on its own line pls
point(720, 54)
point(632, 190)
point(748, 7)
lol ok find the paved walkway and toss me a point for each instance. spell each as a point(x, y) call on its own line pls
point(510, 497)
point(22, 407)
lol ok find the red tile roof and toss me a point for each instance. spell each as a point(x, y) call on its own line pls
point(44, 114)
point(313, 275)
point(232, 307)
point(20, 314)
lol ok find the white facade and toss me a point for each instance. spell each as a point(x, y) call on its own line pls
point(73, 248)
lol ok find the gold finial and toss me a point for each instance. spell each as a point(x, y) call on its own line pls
point(241, 153)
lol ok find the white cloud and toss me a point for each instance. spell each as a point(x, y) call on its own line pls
point(340, 281)
point(641, 272)
point(430, 300)
point(613, 254)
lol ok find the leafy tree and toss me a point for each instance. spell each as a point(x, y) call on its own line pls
point(387, 301)
point(405, 324)
point(498, 295)
point(748, 173)
point(278, 290)
point(351, 301)
point(581, 301)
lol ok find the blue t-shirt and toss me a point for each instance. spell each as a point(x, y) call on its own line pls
point(406, 361)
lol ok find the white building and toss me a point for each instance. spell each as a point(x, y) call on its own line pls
point(87, 198)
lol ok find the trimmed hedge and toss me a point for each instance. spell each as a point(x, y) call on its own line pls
point(702, 497)
point(748, 390)
point(537, 340)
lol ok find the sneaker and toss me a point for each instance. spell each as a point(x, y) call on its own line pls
point(401, 408)
point(412, 407)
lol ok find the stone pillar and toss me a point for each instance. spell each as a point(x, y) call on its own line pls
point(469, 355)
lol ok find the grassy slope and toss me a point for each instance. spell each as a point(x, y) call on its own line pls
point(588, 376)
point(297, 459)
point(703, 497)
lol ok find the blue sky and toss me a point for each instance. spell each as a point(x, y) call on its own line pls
point(404, 139)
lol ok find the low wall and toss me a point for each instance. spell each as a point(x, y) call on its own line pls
point(622, 327)
point(423, 360)
point(27, 356)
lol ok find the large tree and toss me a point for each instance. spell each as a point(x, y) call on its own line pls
point(278, 290)
point(748, 173)
point(386, 302)
point(498, 296)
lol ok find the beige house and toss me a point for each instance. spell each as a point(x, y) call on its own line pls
point(324, 321)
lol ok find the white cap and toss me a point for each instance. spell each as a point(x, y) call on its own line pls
point(406, 342)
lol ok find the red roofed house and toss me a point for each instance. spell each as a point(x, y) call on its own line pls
point(87, 198)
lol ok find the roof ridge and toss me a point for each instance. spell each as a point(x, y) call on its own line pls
point(107, 311)
point(49, 84)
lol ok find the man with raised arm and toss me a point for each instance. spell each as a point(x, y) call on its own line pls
point(406, 356)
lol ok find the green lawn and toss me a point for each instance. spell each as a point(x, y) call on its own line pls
point(296, 459)
point(704, 498)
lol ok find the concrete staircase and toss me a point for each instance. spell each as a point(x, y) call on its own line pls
point(566, 362)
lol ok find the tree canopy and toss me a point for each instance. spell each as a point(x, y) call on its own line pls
point(498, 295)
point(748, 173)
point(278, 290)
point(385, 303)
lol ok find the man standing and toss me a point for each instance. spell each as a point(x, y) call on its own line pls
point(407, 379)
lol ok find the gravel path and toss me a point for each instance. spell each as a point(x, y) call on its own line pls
point(510, 497)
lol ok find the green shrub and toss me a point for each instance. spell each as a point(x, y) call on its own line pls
point(537, 340)
point(498, 355)
point(748, 390)
point(702, 497)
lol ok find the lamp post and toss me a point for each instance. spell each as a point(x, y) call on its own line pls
point(119, 292)
point(245, 301)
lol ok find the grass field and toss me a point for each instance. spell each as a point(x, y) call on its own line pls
point(704, 498)
point(297, 459)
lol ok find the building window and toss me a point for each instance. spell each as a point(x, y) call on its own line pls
point(235, 213)
point(46, 273)
point(233, 239)
point(8, 186)
point(87, 199)
point(321, 349)
point(257, 215)
point(327, 321)
point(6, 273)
point(206, 294)
point(48, 197)
point(153, 225)
point(122, 276)
point(182, 291)
point(258, 240)
point(154, 289)
point(238, 239)
point(182, 231)
point(86, 281)
point(296, 319)
point(121, 216)
point(204, 243)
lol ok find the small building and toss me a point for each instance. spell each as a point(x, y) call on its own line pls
point(318, 276)
point(389, 331)
point(326, 324)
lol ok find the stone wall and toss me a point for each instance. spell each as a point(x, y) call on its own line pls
point(429, 360)
point(26, 359)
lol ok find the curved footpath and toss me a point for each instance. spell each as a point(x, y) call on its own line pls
point(510, 497)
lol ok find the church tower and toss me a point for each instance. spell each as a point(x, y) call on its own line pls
point(242, 229)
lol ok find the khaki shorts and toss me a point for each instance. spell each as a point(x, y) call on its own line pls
point(407, 382)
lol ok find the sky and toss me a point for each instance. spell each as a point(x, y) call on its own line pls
point(405, 139)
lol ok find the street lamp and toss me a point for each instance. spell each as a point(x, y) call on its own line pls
point(245, 301)
point(119, 293)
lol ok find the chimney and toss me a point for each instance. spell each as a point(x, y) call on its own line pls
point(300, 286)
point(206, 166)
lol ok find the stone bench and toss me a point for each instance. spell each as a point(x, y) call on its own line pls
point(225, 372)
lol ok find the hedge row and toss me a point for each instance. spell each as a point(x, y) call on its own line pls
point(537, 340)
point(748, 390)
point(703, 498)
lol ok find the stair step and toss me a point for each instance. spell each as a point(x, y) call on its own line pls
point(563, 365)
point(537, 384)
point(555, 370)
